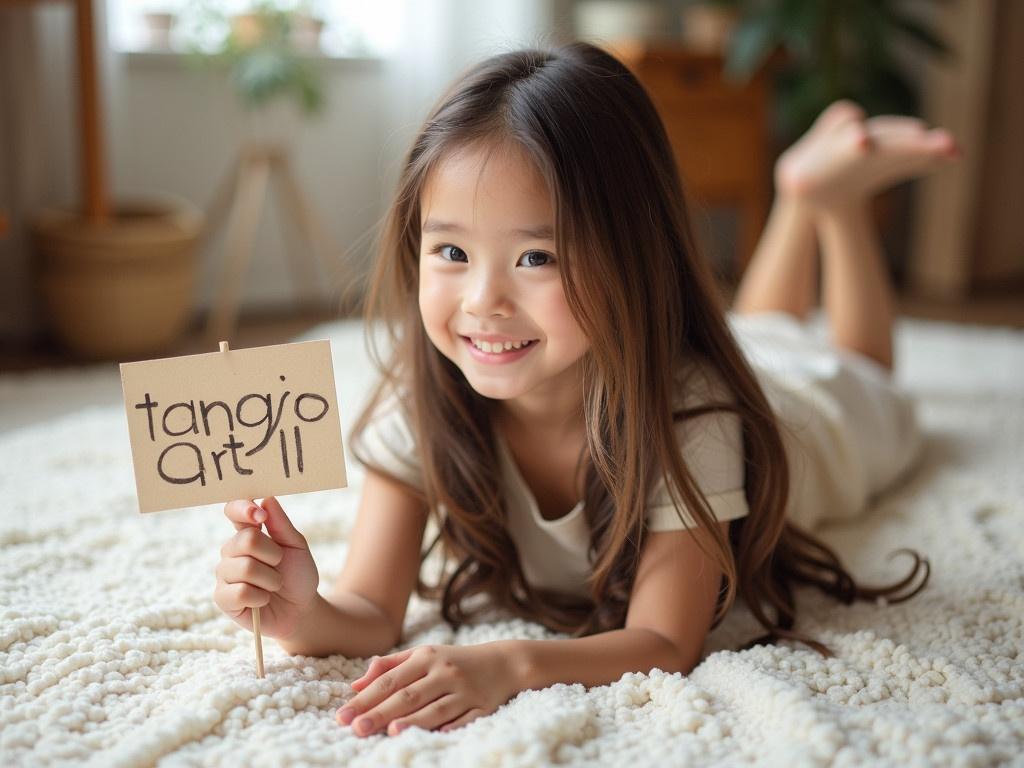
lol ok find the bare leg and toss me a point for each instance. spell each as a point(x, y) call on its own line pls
point(782, 274)
point(833, 172)
point(856, 288)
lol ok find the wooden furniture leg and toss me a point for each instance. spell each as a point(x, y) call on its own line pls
point(254, 172)
point(315, 235)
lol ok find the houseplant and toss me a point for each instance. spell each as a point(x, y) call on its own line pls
point(823, 50)
point(827, 51)
point(265, 49)
point(121, 287)
point(114, 277)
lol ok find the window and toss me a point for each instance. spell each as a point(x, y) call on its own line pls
point(350, 28)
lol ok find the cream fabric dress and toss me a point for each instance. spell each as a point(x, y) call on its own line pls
point(848, 432)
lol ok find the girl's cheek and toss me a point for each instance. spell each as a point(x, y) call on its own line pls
point(435, 305)
point(551, 310)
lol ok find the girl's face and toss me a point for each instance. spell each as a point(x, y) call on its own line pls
point(489, 277)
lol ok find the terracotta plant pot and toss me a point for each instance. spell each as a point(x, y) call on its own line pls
point(604, 21)
point(248, 29)
point(707, 28)
point(120, 289)
point(159, 27)
point(306, 32)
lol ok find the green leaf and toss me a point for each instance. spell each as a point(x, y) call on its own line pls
point(918, 32)
point(752, 43)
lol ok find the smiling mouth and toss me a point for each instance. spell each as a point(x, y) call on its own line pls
point(498, 348)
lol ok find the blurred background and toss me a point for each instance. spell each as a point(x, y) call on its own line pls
point(174, 172)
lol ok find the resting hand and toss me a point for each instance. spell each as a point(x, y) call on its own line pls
point(430, 686)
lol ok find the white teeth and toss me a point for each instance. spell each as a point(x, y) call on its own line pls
point(497, 347)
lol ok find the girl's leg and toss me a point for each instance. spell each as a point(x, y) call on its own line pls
point(856, 288)
point(835, 172)
point(782, 273)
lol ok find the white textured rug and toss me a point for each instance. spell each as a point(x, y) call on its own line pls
point(112, 651)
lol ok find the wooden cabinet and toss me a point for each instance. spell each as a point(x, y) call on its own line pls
point(719, 131)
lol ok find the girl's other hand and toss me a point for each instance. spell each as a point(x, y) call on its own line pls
point(432, 687)
point(274, 572)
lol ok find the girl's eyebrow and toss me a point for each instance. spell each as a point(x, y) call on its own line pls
point(538, 232)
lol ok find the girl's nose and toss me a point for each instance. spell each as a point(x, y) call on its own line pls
point(486, 296)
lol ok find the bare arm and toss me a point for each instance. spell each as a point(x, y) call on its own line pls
point(345, 623)
point(599, 659)
point(363, 615)
point(670, 611)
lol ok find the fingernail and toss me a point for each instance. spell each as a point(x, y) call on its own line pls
point(346, 715)
point(259, 515)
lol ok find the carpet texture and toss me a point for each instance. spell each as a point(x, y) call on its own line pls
point(112, 652)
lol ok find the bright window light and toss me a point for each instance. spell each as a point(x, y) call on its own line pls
point(351, 27)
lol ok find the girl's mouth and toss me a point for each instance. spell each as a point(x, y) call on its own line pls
point(492, 353)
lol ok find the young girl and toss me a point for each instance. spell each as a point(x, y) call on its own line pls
point(600, 447)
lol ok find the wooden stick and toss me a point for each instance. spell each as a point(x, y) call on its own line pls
point(255, 611)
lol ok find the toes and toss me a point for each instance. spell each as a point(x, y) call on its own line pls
point(855, 135)
point(910, 136)
point(839, 112)
point(942, 142)
point(896, 124)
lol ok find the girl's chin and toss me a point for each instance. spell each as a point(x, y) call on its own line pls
point(494, 390)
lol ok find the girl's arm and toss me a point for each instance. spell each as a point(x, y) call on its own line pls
point(670, 612)
point(364, 614)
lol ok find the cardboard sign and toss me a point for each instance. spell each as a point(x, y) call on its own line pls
point(238, 424)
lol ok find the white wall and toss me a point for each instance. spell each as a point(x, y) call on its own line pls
point(179, 131)
point(173, 130)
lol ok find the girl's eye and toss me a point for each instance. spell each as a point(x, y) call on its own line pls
point(457, 254)
point(528, 259)
point(536, 259)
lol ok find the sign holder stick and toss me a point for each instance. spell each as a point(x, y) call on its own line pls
point(255, 610)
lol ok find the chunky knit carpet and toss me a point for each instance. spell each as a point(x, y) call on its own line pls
point(113, 653)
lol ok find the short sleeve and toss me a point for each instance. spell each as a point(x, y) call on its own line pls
point(712, 448)
point(387, 444)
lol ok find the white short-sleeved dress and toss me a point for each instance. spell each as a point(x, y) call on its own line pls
point(848, 431)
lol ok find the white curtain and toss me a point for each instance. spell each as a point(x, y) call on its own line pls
point(440, 38)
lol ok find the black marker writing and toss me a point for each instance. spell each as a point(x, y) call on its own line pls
point(253, 410)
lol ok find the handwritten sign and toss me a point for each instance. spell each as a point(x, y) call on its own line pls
point(243, 423)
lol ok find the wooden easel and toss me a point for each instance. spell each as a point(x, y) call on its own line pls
point(243, 191)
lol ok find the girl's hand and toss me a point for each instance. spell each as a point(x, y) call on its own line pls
point(430, 686)
point(274, 573)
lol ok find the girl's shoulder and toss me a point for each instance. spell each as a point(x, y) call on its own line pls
point(698, 382)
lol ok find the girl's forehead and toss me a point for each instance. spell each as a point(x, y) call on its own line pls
point(495, 176)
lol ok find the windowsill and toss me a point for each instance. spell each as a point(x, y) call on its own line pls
point(173, 58)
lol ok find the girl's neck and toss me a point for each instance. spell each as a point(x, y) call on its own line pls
point(556, 413)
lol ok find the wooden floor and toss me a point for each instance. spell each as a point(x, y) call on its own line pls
point(276, 327)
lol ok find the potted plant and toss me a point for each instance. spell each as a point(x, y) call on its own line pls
point(827, 51)
point(114, 278)
point(823, 51)
point(159, 26)
point(264, 49)
point(120, 287)
point(707, 25)
point(307, 26)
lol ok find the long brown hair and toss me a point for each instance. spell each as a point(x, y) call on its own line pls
point(647, 302)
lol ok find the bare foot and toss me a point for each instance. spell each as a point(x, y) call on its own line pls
point(845, 157)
